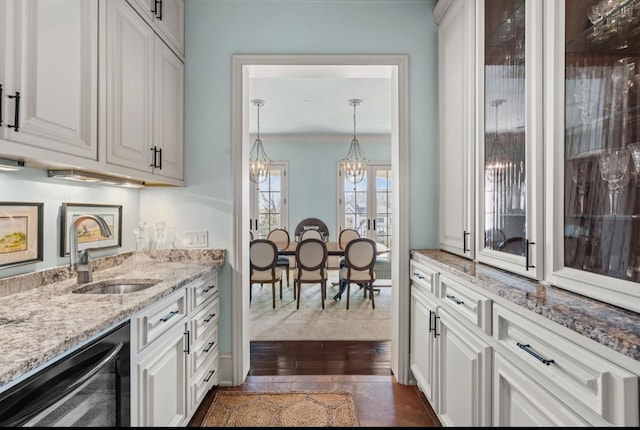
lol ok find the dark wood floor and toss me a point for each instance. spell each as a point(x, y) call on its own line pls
point(362, 367)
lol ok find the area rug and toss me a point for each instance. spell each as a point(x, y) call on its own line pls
point(282, 409)
point(311, 322)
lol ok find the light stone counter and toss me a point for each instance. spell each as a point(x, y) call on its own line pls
point(41, 318)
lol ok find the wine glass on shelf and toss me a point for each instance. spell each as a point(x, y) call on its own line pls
point(634, 149)
point(580, 173)
point(613, 169)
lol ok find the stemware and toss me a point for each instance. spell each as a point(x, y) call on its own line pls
point(141, 236)
point(613, 169)
point(580, 173)
point(634, 149)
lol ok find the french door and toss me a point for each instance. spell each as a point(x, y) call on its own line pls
point(366, 205)
point(269, 201)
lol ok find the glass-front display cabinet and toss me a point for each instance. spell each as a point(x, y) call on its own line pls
point(509, 82)
point(596, 201)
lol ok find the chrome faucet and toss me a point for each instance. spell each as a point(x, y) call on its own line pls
point(83, 265)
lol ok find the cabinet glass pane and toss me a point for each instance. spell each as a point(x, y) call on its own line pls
point(505, 185)
point(602, 131)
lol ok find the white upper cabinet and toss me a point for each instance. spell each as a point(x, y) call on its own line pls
point(456, 103)
point(129, 81)
point(144, 103)
point(167, 18)
point(555, 145)
point(168, 117)
point(592, 66)
point(509, 136)
point(49, 77)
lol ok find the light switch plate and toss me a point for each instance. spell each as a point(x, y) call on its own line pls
point(196, 239)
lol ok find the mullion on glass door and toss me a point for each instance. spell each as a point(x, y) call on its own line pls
point(269, 208)
point(366, 205)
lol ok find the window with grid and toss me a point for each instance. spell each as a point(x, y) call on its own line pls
point(269, 207)
point(366, 205)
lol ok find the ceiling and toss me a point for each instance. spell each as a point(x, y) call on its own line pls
point(314, 100)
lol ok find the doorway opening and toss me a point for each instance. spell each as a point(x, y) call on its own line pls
point(242, 67)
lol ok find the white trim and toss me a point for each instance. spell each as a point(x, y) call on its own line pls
point(399, 157)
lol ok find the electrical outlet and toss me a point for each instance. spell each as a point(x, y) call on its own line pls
point(196, 239)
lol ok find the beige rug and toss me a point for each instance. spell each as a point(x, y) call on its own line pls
point(282, 409)
point(311, 322)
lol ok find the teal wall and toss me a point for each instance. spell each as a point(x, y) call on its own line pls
point(312, 175)
point(217, 29)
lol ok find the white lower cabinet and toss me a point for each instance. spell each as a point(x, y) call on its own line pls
point(464, 374)
point(161, 372)
point(484, 361)
point(175, 354)
point(598, 391)
point(519, 401)
point(423, 343)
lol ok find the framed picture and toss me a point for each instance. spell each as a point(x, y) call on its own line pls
point(20, 233)
point(88, 231)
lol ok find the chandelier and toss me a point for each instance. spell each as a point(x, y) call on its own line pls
point(355, 163)
point(258, 160)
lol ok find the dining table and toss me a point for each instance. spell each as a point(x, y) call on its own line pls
point(333, 248)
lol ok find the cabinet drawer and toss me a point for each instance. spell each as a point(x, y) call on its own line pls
point(157, 319)
point(465, 302)
point(202, 350)
point(423, 277)
point(586, 382)
point(206, 378)
point(205, 320)
point(203, 288)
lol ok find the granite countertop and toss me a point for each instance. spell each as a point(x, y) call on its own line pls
point(41, 318)
point(614, 327)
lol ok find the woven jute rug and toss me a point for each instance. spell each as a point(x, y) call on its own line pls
point(282, 409)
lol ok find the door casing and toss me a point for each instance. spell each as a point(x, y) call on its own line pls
point(240, 147)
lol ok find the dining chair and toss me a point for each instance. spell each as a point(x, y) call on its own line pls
point(360, 257)
point(263, 256)
point(311, 234)
point(345, 236)
point(311, 261)
point(281, 237)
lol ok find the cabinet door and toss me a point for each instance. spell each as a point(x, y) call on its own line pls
point(518, 401)
point(168, 112)
point(464, 375)
point(167, 16)
point(423, 341)
point(510, 132)
point(51, 85)
point(162, 373)
point(594, 149)
point(129, 83)
point(456, 109)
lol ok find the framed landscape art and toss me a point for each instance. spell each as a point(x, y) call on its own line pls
point(89, 235)
point(20, 233)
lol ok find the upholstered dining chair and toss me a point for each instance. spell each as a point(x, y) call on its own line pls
point(345, 236)
point(311, 262)
point(281, 237)
point(360, 257)
point(311, 234)
point(263, 256)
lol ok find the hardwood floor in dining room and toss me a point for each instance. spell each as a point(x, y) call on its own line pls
point(362, 367)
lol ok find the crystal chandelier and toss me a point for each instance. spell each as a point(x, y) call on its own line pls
point(355, 163)
point(258, 160)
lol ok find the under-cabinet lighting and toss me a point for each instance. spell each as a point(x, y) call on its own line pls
point(7, 165)
point(82, 176)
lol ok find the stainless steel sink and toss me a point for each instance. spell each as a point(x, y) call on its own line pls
point(117, 286)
